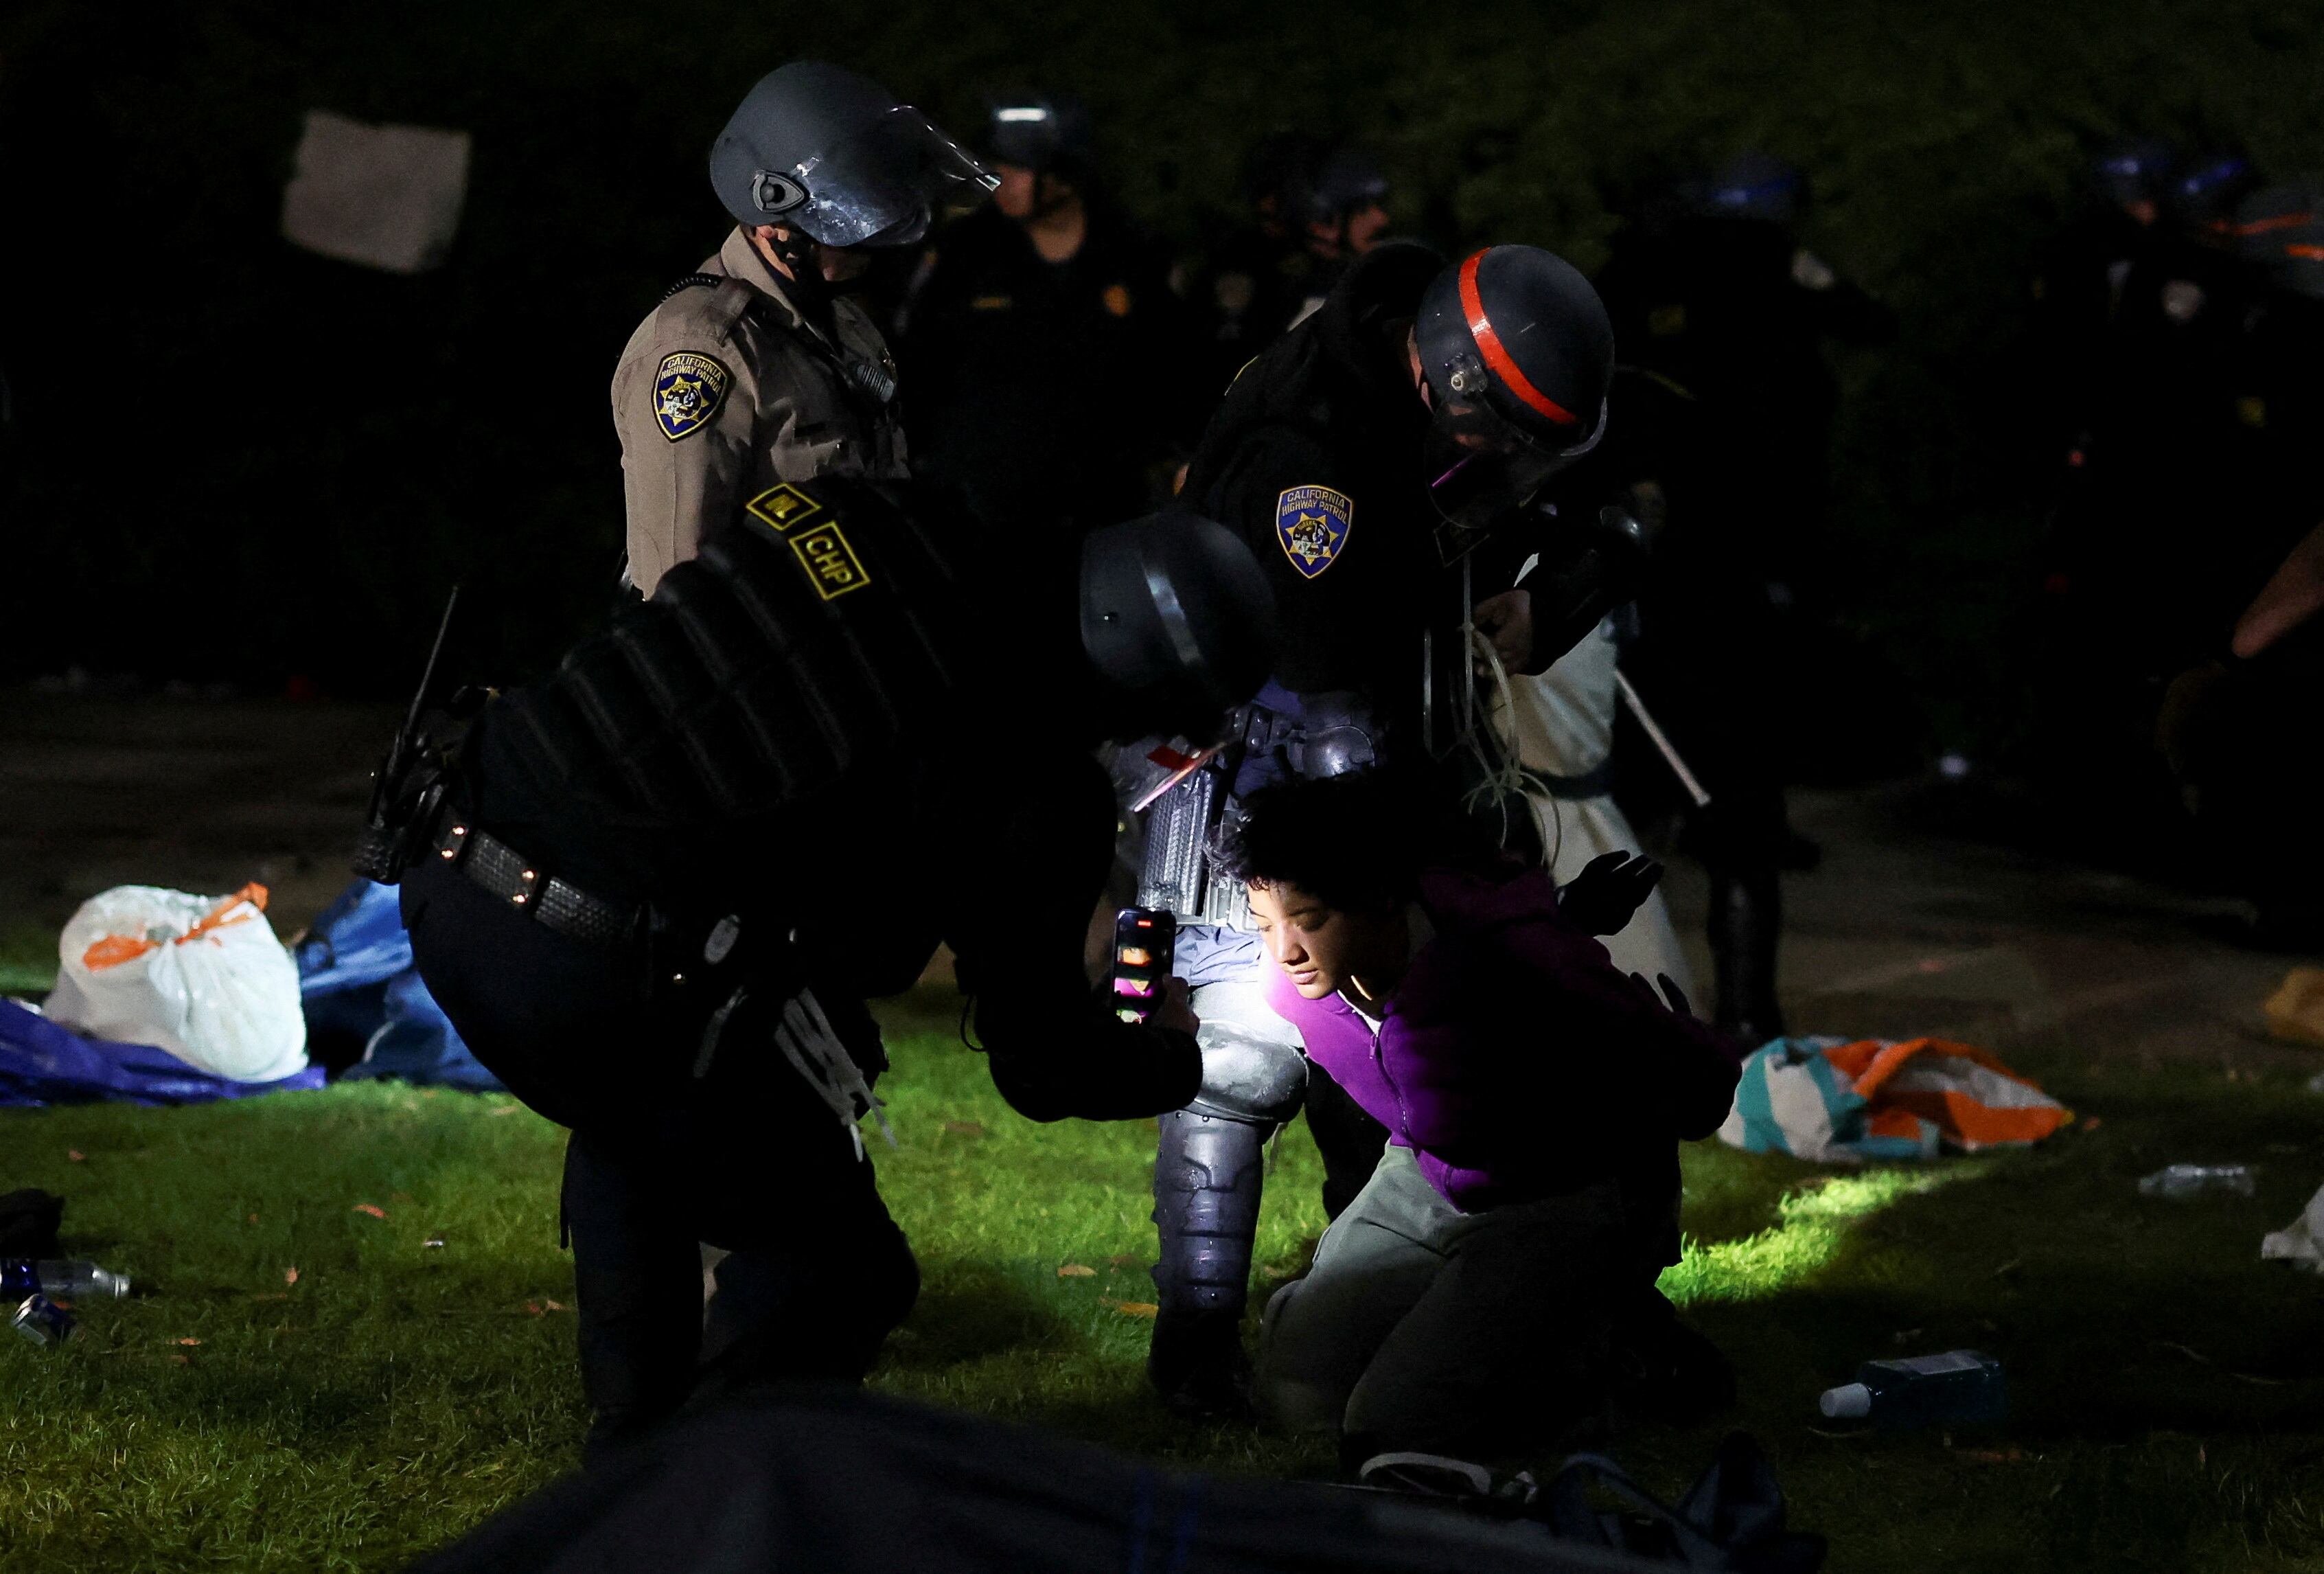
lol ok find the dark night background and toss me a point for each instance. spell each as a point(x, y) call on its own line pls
point(230, 460)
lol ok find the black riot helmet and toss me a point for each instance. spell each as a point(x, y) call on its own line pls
point(1045, 133)
point(2135, 174)
point(833, 156)
point(1341, 181)
point(2281, 231)
point(1750, 185)
point(1177, 621)
point(2203, 193)
point(1519, 354)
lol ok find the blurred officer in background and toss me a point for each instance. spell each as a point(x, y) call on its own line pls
point(2239, 727)
point(2078, 285)
point(2167, 422)
point(1041, 341)
point(1721, 302)
point(1314, 207)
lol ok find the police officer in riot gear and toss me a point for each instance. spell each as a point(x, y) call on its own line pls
point(1316, 206)
point(753, 370)
point(2233, 722)
point(654, 890)
point(1016, 312)
point(1720, 299)
point(1380, 459)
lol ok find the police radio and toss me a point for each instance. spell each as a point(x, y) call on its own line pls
point(1144, 940)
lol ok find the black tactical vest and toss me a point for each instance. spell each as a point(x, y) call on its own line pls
point(825, 632)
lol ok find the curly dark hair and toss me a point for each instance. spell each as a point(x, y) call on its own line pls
point(1353, 842)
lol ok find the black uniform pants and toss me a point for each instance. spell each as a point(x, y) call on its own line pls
point(744, 1156)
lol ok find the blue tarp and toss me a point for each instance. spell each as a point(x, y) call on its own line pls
point(42, 1063)
point(355, 977)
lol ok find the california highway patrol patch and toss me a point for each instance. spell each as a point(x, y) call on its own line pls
point(688, 389)
point(1313, 523)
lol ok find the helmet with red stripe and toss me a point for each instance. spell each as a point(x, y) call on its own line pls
point(2282, 230)
point(1519, 354)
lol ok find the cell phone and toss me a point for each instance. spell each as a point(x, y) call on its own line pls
point(1144, 940)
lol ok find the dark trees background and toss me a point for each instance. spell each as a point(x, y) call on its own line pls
point(230, 460)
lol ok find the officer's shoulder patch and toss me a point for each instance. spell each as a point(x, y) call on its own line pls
point(830, 561)
point(783, 506)
point(688, 388)
point(1312, 525)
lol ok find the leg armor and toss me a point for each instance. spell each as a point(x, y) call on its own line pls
point(637, 1281)
point(1208, 1173)
point(1746, 919)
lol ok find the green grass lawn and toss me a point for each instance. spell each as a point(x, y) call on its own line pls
point(2169, 1386)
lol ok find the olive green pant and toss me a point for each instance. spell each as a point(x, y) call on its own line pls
point(1423, 1328)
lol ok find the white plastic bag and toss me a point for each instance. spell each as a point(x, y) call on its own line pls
point(200, 977)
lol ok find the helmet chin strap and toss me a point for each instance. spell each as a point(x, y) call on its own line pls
point(802, 257)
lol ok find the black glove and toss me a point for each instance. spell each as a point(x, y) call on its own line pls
point(1603, 898)
point(1672, 994)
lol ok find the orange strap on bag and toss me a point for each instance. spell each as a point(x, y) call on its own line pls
point(112, 950)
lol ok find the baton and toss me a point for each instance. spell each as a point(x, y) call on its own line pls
point(1661, 740)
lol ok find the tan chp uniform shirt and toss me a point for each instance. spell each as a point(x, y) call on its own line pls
point(724, 392)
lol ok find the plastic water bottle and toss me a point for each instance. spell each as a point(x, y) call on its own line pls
point(2192, 1179)
point(72, 1279)
point(1957, 1388)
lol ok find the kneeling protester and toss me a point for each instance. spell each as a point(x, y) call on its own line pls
point(1478, 1293)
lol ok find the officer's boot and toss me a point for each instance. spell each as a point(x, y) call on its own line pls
point(806, 1312)
point(1208, 1173)
point(637, 1283)
point(1747, 920)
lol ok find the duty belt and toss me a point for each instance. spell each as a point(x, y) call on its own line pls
point(520, 881)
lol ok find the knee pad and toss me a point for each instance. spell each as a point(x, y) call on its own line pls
point(1246, 1078)
point(1253, 1067)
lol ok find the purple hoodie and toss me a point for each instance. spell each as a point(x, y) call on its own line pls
point(1513, 1059)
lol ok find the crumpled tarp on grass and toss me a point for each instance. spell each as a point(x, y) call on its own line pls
point(355, 977)
point(1834, 1101)
point(44, 1064)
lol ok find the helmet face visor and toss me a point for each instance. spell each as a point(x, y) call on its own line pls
point(1481, 467)
point(882, 186)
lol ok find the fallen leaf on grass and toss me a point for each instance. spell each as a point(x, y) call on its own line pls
point(1992, 1456)
point(1130, 1308)
point(554, 1305)
point(371, 1208)
point(533, 1309)
point(189, 1341)
point(1075, 1271)
point(253, 1219)
point(965, 1128)
point(74, 1155)
point(289, 1275)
